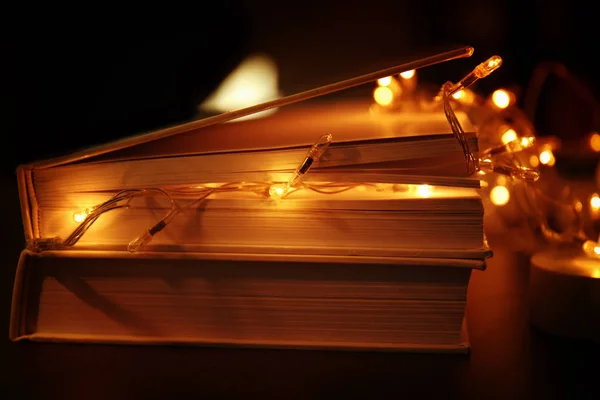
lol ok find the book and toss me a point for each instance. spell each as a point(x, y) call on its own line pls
point(369, 303)
point(382, 261)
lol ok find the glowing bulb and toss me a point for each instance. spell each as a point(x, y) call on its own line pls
point(384, 81)
point(458, 94)
point(509, 136)
point(383, 95)
point(595, 202)
point(578, 206)
point(499, 195)
point(595, 141)
point(277, 190)
point(408, 74)
point(501, 98)
point(547, 158)
point(591, 248)
point(534, 161)
point(424, 191)
point(79, 217)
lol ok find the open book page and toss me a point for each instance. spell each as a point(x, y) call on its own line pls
point(298, 126)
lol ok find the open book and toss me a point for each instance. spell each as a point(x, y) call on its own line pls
point(383, 262)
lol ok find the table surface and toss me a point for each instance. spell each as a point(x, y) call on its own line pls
point(509, 359)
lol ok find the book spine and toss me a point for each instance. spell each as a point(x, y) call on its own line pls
point(28, 202)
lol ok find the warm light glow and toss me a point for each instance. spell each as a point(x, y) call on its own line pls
point(595, 202)
point(527, 141)
point(79, 217)
point(578, 206)
point(547, 158)
point(591, 248)
point(501, 180)
point(253, 82)
point(499, 195)
point(277, 190)
point(534, 161)
point(595, 141)
point(408, 74)
point(509, 136)
point(596, 271)
point(458, 94)
point(424, 191)
point(501, 98)
point(383, 95)
point(384, 81)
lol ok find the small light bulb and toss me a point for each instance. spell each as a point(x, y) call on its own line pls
point(578, 206)
point(509, 136)
point(277, 190)
point(384, 81)
point(501, 98)
point(595, 141)
point(424, 191)
point(591, 248)
point(534, 161)
point(383, 95)
point(458, 94)
point(407, 74)
point(499, 195)
point(546, 157)
point(595, 202)
point(80, 216)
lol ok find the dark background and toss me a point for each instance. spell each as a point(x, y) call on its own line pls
point(76, 77)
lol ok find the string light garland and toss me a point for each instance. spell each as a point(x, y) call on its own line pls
point(524, 154)
point(507, 168)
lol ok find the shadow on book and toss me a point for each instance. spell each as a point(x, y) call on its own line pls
point(83, 297)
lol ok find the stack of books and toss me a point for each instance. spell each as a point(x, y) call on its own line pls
point(383, 263)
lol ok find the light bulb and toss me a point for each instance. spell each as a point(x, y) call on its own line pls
point(534, 161)
point(80, 216)
point(383, 95)
point(480, 71)
point(591, 248)
point(407, 74)
point(278, 190)
point(384, 81)
point(547, 158)
point(501, 98)
point(458, 94)
point(499, 195)
point(509, 136)
point(424, 191)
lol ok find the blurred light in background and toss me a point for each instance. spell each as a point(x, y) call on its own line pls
point(509, 136)
point(253, 82)
point(384, 81)
point(501, 98)
point(499, 195)
point(383, 95)
point(408, 74)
